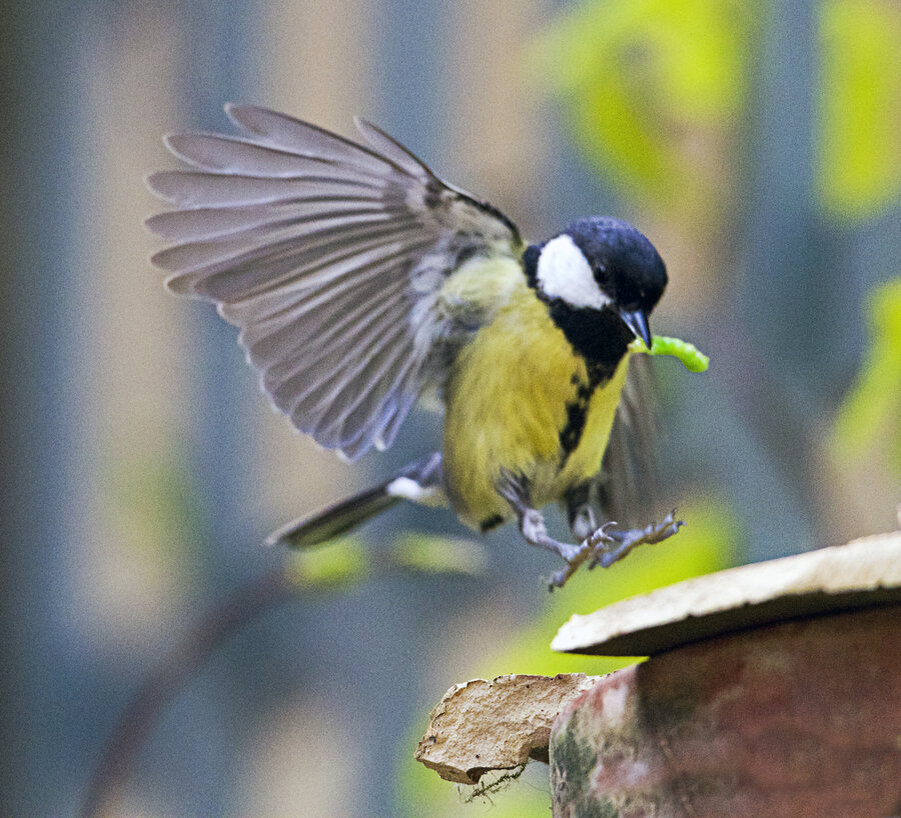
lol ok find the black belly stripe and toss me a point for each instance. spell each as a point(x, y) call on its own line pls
point(571, 433)
point(576, 415)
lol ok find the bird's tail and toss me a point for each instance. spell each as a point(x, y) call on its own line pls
point(419, 481)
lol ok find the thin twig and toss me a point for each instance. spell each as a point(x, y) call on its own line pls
point(163, 683)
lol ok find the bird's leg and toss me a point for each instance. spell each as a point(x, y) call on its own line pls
point(607, 545)
point(515, 491)
point(603, 546)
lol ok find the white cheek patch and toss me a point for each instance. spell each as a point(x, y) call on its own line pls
point(564, 273)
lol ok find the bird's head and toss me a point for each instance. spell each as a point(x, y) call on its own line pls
point(600, 264)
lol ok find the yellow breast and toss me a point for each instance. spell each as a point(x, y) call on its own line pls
point(507, 403)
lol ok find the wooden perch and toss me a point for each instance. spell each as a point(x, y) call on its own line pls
point(772, 689)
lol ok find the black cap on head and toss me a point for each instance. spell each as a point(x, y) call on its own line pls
point(625, 264)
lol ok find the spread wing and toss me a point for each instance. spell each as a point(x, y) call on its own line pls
point(330, 257)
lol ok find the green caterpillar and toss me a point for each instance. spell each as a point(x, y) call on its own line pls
point(692, 358)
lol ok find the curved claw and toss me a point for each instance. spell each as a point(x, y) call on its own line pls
point(608, 545)
point(600, 538)
point(629, 539)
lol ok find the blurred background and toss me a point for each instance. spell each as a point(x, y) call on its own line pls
point(758, 145)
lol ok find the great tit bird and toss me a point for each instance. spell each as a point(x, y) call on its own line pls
point(361, 282)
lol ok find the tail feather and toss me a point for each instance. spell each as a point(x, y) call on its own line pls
point(419, 481)
point(334, 520)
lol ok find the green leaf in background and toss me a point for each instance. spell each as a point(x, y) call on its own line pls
point(638, 78)
point(860, 103)
point(337, 565)
point(349, 561)
point(870, 416)
point(429, 554)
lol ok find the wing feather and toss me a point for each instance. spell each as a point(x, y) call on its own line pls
point(363, 398)
point(216, 222)
point(627, 485)
point(234, 155)
point(317, 287)
point(391, 149)
point(273, 342)
point(324, 366)
point(285, 133)
point(329, 256)
point(405, 397)
point(223, 274)
point(313, 403)
point(192, 189)
point(303, 356)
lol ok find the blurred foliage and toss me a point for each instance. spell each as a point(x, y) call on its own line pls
point(157, 499)
point(860, 101)
point(870, 416)
point(708, 543)
point(647, 83)
point(438, 555)
point(640, 76)
point(338, 565)
point(343, 563)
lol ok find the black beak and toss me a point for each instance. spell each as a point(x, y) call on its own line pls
point(637, 321)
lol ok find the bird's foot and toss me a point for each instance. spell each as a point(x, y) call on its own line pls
point(608, 545)
point(614, 544)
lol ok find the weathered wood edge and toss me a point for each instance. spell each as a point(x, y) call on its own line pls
point(863, 573)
